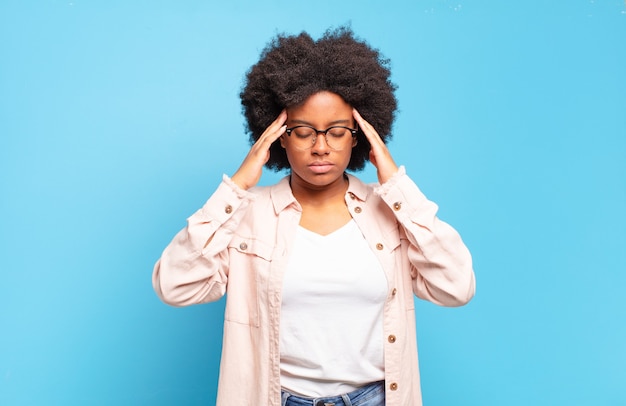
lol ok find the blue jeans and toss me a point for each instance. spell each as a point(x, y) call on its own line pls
point(368, 395)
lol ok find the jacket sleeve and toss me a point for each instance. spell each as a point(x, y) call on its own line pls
point(194, 266)
point(441, 264)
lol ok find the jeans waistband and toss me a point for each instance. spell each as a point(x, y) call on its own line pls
point(372, 394)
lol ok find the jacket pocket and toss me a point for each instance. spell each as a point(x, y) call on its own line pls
point(248, 258)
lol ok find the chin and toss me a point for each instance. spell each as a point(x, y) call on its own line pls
point(323, 179)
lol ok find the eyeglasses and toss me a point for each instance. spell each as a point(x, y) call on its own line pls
point(336, 136)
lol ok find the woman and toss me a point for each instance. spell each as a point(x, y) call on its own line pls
point(320, 269)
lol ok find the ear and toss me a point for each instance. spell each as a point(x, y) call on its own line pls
point(282, 140)
point(354, 142)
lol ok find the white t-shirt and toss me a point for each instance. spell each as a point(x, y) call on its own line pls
point(331, 332)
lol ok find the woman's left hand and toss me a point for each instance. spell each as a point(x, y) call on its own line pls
point(380, 156)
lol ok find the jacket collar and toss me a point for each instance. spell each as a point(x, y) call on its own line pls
point(282, 197)
point(357, 188)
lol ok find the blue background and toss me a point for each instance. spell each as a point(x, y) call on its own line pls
point(118, 118)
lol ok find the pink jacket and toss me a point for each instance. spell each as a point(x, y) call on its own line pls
point(239, 242)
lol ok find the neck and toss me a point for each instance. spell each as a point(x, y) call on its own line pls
point(308, 194)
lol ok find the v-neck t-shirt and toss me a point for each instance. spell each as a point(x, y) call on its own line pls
point(331, 331)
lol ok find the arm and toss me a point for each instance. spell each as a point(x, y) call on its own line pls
point(441, 264)
point(194, 266)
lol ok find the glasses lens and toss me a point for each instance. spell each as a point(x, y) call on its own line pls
point(336, 137)
point(304, 137)
point(303, 132)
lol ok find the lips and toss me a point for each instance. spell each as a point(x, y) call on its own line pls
point(321, 166)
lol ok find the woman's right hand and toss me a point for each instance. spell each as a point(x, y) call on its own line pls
point(249, 173)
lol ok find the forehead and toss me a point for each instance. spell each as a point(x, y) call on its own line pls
point(321, 107)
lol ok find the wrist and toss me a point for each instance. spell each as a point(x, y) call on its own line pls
point(236, 179)
point(388, 173)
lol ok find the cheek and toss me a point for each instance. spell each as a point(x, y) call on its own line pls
point(347, 156)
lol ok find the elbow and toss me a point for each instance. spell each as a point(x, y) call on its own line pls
point(175, 295)
point(166, 288)
point(462, 283)
point(169, 297)
point(450, 289)
point(177, 291)
point(465, 295)
point(463, 291)
point(167, 292)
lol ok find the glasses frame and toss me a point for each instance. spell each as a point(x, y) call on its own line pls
point(353, 132)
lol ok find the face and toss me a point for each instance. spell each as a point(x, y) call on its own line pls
point(320, 165)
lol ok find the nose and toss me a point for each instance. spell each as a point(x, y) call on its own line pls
point(320, 144)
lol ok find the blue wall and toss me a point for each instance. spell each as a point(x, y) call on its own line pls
point(118, 118)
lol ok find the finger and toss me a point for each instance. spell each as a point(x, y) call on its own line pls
point(276, 124)
point(370, 133)
point(250, 170)
point(379, 154)
point(274, 130)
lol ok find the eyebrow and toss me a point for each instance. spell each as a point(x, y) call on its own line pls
point(332, 123)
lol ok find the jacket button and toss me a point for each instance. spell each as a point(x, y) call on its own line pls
point(394, 291)
point(393, 386)
point(397, 206)
point(392, 339)
point(228, 209)
point(357, 209)
point(351, 195)
point(379, 246)
point(243, 246)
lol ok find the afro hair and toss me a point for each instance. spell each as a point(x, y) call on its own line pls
point(292, 68)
